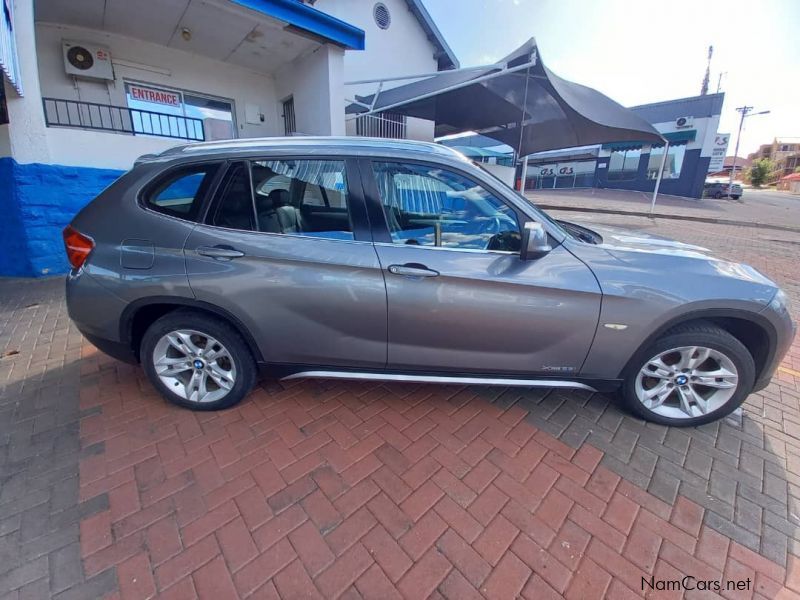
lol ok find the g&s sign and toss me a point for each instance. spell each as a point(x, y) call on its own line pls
point(718, 152)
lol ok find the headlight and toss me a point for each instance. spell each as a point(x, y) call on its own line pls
point(780, 303)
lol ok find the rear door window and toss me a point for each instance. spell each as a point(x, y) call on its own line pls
point(180, 193)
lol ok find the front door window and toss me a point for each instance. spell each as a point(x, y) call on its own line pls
point(431, 206)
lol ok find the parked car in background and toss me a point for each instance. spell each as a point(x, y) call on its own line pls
point(722, 189)
point(396, 260)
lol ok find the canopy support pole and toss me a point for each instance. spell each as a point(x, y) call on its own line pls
point(524, 176)
point(524, 169)
point(660, 174)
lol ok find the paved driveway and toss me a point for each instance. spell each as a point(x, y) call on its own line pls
point(333, 489)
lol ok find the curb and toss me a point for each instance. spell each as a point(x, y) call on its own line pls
point(713, 220)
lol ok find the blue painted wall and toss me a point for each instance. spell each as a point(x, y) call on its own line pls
point(689, 184)
point(38, 202)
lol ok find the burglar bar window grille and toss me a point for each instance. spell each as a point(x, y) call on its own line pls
point(120, 119)
point(384, 125)
point(289, 126)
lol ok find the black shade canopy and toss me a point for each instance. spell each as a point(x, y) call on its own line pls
point(555, 113)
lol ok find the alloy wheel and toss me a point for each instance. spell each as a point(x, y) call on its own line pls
point(194, 365)
point(686, 382)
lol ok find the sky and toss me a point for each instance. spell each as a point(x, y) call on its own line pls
point(644, 51)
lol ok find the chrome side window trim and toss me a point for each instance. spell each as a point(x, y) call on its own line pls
point(468, 250)
point(283, 235)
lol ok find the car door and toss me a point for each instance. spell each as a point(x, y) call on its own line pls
point(459, 297)
point(310, 290)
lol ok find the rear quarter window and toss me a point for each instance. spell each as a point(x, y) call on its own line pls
point(180, 192)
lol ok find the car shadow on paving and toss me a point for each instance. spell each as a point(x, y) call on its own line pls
point(730, 467)
point(40, 448)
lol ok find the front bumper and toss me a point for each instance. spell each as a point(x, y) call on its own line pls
point(785, 331)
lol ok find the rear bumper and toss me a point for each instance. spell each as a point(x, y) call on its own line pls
point(113, 349)
point(96, 313)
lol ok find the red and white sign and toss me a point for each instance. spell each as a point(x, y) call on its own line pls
point(156, 96)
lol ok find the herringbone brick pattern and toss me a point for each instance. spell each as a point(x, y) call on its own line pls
point(319, 489)
point(350, 490)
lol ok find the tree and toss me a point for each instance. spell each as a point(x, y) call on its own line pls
point(759, 171)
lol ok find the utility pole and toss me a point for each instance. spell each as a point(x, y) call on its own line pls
point(719, 81)
point(704, 87)
point(745, 112)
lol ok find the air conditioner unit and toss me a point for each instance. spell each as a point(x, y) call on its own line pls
point(82, 59)
point(683, 122)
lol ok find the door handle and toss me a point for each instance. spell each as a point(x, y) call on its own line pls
point(412, 270)
point(220, 252)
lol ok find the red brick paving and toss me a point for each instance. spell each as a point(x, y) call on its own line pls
point(375, 491)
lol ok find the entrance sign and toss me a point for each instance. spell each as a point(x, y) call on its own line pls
point(154, 95)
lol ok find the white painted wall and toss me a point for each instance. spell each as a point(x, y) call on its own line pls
point(402, 49)
point(184, 71)
point(27, 131)
point(316, 84)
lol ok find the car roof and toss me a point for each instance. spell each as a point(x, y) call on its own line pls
point(361, 145)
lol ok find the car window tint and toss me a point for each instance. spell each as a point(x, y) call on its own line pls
point(431, 206)
point(302, 197)
point(181, 192)
point(233, 204)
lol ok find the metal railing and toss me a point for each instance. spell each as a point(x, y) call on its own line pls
point(383, 125)
point(120, 119)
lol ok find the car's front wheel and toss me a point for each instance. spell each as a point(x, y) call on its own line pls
point(197, 361)
point(692, 375)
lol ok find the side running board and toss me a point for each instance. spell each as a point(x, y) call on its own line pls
point(546, 383)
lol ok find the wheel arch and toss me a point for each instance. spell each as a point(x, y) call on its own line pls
point(753, 330)
point(140, 314)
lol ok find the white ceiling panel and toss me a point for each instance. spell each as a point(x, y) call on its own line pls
point(149, 21)
point(216, 32)
point(83, 13)
point(266, 49)
point(219, 29)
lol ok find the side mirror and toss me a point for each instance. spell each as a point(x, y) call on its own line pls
point(534, 241)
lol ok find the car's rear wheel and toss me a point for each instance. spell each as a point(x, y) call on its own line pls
point(197, 361)
point(694, 374)
point(717, 195)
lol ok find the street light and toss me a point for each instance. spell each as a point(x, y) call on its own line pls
point(745, 110)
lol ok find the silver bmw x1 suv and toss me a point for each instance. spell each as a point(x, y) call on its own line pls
point(374, 259)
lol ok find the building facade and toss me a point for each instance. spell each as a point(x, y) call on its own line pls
point(689, 124)
point(784, 154)
point(90, 86)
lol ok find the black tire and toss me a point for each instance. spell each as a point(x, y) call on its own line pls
point(717, 195)
point(735, 197)
point(692, 334)
point(246, 370)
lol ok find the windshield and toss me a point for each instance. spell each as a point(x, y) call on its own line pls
point(540, 214)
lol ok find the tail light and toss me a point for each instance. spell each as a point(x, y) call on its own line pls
point(78, 246)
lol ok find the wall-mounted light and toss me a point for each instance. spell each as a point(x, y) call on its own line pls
point(186, 34)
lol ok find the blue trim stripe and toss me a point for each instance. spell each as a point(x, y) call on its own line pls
point(310, 19)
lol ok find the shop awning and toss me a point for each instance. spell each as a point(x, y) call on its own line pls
point(475, 152)
point(675, 138)
point(519, 90)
